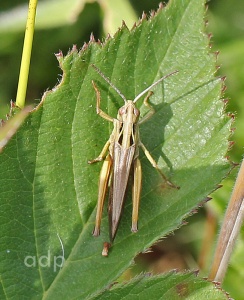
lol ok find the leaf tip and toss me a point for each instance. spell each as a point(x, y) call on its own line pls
point(84, 47)
point(161, 6)
point(195, 210)
point(219, 186)
point(210, 35)
point(92, 38)
point(134, 26)
point(140, 21)
point(223, 78)
point(152, 13)
point(59, 55)
point(184, 222)
point(205, 200)
point(231, 144)
point(93, 41)
point(231, 115)
point(124, 24)
point(74, 49)
point(108, 37)
point(144, 16)
point(216, 53)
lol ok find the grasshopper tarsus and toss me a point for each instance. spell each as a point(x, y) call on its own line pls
point(134, 228)
point(106, 247)
point(167, 181)
point(171, 184)
point(102, 155)
point(96, 231)
point(92, 161)
point(146, 100)
point(155, 165)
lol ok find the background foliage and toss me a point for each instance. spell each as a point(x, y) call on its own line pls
point(69, 23)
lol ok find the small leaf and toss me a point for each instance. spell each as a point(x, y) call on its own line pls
point(48, 191)
point(171, 286)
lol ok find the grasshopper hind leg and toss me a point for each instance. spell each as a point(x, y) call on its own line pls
point(136, 192)
point(102, 188)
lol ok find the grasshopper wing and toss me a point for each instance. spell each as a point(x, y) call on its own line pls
point(123, 159)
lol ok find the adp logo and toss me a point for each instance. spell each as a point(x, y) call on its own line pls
point(45, 261)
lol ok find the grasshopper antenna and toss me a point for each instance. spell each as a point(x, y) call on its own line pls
point(109, 82)
point(152, 85)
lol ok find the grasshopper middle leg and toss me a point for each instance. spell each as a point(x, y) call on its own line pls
point(154, 164)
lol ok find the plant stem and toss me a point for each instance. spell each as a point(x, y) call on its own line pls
point(230, 229)
point(26, 55)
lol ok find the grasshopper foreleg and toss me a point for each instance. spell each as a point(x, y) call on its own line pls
point(101, 113)
point(98, 109)
point(151, 109)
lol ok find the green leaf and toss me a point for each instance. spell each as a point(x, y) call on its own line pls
point(171, 286)
point(9, 127)
point(48, 191)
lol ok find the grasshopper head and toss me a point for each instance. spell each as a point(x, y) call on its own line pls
point(128, 113)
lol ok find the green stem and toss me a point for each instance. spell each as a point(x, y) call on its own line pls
point(26, 55)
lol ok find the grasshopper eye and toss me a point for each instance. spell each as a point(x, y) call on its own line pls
point(122, 110)
point(136, 112)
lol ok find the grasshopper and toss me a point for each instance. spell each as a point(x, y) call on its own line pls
point(122, 158)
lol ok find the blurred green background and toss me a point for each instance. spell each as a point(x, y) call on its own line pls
point(62, 23)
